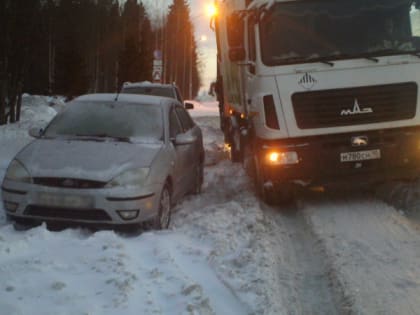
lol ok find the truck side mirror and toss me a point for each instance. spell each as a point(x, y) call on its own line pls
point(235, 34)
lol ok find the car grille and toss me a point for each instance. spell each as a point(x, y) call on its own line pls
point(68, 182)
point(66, 213)
point(352, 106)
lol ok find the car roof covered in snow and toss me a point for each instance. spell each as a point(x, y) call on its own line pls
point(127, 98)
point(147, 83)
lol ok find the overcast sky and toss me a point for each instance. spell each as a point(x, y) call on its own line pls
point(207, 48)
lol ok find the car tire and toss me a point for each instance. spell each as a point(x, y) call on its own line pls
point(199, 177)
point(163, 217)
point(23, 224)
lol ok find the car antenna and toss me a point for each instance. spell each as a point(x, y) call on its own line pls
point(118, 93)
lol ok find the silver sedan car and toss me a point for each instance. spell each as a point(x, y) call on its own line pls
point(107, 160)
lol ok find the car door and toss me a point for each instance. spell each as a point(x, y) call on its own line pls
point(194, 150)
point(181, 167)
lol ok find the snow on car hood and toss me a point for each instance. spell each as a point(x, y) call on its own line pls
point(100, 161)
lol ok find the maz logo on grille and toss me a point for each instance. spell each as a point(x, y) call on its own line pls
point(356, 110)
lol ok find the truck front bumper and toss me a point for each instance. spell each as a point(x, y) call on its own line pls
point(332, 159)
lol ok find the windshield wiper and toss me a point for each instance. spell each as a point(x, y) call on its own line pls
point(102, 137)
point(371, 58)
point(326, 61)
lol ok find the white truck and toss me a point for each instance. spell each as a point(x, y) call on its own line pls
point(320, 92)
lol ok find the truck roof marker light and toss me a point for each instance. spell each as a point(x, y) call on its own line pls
point(211, 10)
point(319, 189)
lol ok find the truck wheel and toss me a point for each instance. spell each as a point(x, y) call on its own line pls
point(236, 152)
point(274, 195)
point(266, 194)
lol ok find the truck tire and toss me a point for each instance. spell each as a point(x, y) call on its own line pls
point(236, 149)
point(275, 195)
point(264, 193)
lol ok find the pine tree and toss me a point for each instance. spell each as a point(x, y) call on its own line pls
point(136, 56)
point(180, 53)
point(17, 20)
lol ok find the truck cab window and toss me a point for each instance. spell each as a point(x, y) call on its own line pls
point(251, 43)
point(321, 30)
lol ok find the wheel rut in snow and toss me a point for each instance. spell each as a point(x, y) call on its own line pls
point(315, 289)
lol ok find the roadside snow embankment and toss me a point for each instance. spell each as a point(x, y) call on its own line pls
point(36, 112)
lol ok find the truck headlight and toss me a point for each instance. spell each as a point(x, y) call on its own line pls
point(281, 158)
point(17, 172)
point(130, 177)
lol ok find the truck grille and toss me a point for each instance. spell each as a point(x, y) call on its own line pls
point(354, 106)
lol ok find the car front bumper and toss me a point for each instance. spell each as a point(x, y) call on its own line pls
point(91, 206)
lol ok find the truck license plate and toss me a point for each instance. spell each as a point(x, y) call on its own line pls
point(64, 201)
point(360, 155)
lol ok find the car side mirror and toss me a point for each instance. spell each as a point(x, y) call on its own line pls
point(189, 105)
point(35, 132)
point(184, 139)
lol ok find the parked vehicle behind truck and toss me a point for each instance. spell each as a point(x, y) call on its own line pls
point(318, 92)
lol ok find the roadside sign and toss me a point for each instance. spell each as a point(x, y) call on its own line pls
point(157, 71)
point(157, 54)
point(157, 76)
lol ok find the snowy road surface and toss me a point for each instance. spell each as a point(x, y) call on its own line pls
point(225, 253)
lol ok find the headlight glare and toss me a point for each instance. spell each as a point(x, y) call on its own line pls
point(17, 172)
point(282, 158)
point(130, 177)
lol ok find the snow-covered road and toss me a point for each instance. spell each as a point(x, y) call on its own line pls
point(225, 253)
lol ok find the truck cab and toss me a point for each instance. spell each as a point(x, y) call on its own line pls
point(316, 92)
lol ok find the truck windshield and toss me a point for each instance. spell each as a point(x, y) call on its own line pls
point(310, 31)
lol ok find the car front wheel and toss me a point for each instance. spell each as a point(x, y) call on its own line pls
point(164, 213)
point(199, 176)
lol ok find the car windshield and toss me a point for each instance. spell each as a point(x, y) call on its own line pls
point(114, 120)
point(150, 90)
point(297, 32)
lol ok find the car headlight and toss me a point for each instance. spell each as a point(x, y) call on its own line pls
point(17, 172)
point(130, 177)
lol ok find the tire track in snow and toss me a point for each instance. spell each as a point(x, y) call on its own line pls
point(372, 249)
point(316, 291)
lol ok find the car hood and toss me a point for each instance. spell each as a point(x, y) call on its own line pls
point(99, 161)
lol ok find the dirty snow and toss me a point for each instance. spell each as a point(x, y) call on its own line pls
point(225, 252)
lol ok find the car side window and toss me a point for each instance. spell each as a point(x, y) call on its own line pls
point(175, 127)
point(185, 118)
